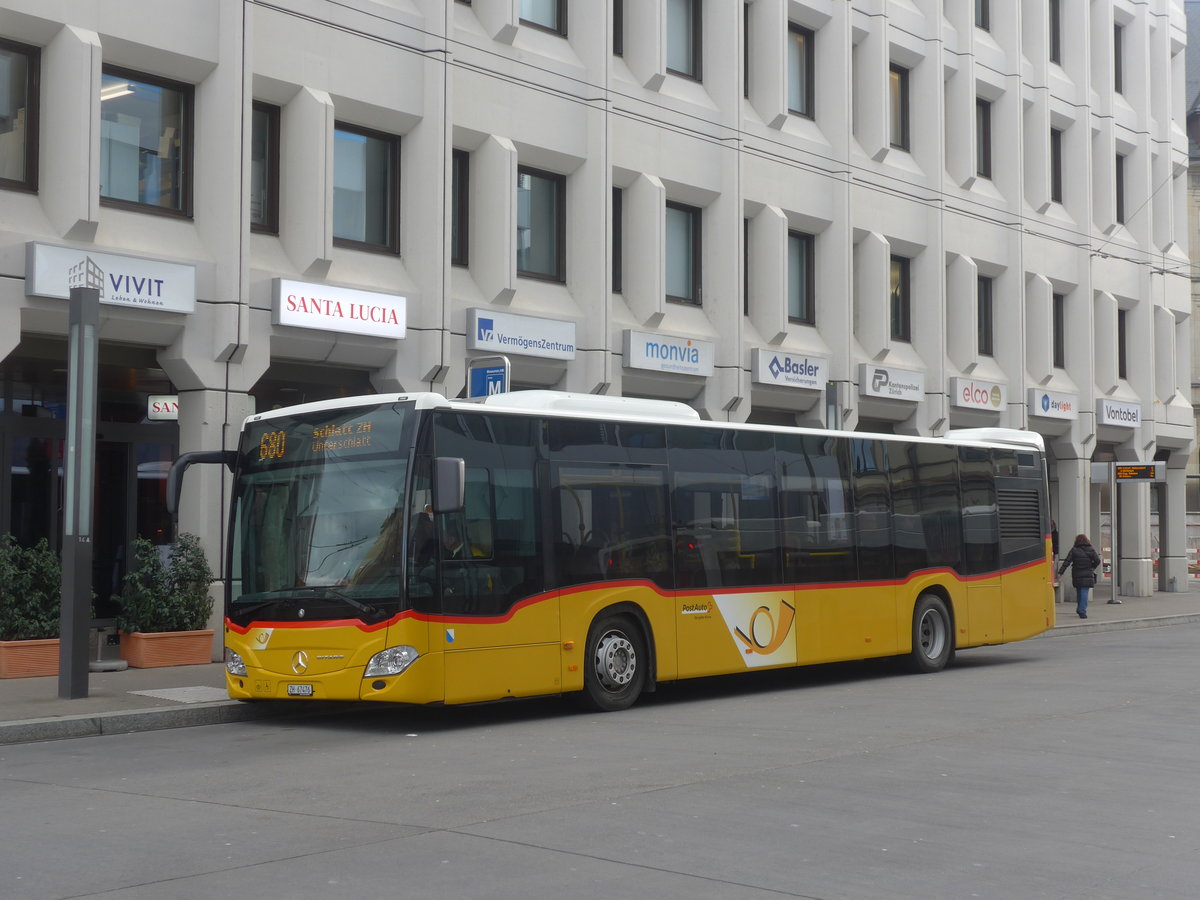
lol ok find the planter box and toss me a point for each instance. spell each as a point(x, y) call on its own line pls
point(146, 650)
point(28, 659)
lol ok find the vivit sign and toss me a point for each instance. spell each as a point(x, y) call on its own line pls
point(51, 271)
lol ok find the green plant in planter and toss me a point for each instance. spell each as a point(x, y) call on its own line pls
point(30, 591)
point(170, 595)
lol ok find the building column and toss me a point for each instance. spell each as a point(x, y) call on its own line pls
point(1172, 532)
point(1074, 485)
point(1135, 567)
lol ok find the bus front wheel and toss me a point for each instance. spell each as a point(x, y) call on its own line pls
point(615, 672)
point(933, 636)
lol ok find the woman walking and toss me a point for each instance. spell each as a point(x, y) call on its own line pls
point(1083, 560)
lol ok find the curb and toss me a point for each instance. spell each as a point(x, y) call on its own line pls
point(218, 712)
point(1087, 627)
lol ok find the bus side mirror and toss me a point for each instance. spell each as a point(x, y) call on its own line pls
point(175, 477)
point(449, 480)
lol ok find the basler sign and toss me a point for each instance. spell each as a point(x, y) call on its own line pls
point(51, 271)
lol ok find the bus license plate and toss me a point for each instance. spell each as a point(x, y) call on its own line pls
point(300, 690)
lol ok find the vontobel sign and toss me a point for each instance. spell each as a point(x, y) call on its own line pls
point(1114, 412)
point(328, 308)
point(51, 271)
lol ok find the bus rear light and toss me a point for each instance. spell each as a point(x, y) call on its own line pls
point(391, 661)
point(234, 664)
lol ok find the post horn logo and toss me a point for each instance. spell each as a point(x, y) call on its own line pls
point(767, 637)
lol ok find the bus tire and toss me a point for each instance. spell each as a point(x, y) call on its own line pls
point(615, 669)
point(932, 635)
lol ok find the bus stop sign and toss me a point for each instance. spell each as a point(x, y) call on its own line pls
point(487, 375)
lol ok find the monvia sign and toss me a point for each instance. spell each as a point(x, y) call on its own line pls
point(667, 353)
point(51, 271)
point(788, 370)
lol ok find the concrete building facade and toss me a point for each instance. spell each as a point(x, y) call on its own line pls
point(896, 215)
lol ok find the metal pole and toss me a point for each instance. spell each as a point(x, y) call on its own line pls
point(76, 614)
point(1115, 532)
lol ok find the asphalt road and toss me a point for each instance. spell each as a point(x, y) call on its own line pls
point(1052, 768)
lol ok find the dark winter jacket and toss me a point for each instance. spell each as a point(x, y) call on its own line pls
point(1083, 560)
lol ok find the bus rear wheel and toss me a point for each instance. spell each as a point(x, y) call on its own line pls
point(615, 671)
point(932, 637)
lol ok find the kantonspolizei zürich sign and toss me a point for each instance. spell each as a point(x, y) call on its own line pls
point(51, 271)
point(527, 335)
point(788, 369)
point(894, 384)
point(328, 308)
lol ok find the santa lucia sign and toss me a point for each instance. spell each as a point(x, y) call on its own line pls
point(328, 308)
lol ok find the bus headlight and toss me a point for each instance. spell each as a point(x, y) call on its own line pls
point(391, 661)
point(234, 664)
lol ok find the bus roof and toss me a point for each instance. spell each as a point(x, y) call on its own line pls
point(600, 406)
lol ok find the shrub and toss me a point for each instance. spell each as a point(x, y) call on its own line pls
point(30, 591)
point(166, 595)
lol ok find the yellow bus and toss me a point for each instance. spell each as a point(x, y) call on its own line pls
point(414, 549)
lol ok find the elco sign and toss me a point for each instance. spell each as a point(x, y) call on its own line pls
point(973, 394)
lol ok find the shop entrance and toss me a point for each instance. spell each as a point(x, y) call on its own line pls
point(132, 458)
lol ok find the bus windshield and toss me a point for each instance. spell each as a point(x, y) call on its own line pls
point(317, 527)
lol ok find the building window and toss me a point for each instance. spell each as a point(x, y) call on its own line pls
point(901, 300)
point(618, 238)
point(1059, 326)
point(618, 28)
point(983, 306)
point(1055, 32)
point(145, 142)
point(983, 138)
point(801, 306)
point(1056, 166)
point(550, 15)
point(1122, 367)
point(898, 106)
point(684, 38)
point(1118, 58)
point(683, 253)
point(541, 223)
point(460, 182)
point(983, 14)
point(366, 189)
point(18, 115)
point(800, 71)
point(1119, 174)
point(264, 168)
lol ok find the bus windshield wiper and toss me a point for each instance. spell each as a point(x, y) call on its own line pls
point(265, 599)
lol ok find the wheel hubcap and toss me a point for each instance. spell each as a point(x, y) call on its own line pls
point(933, 635)
point(616, 661)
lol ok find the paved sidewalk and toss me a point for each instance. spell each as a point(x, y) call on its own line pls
point(149, 699)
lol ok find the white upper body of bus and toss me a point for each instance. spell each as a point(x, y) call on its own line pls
point(633, 409)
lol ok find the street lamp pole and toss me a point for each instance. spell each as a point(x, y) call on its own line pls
point(83, 349)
